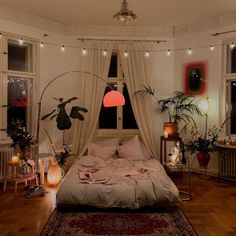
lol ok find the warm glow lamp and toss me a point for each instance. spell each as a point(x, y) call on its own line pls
point(207, 106)
point(111, 99)
point(54, 174)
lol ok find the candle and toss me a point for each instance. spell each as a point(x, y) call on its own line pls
point(165, 134)
point(15, 159)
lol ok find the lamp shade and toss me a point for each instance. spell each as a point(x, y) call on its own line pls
point(113, 99)
point(207, 105)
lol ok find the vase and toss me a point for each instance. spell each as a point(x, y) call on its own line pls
point(203, 159)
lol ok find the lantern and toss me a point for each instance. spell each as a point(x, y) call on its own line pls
point(54, 174)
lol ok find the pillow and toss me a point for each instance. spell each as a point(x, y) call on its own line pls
point(146, 153)
point(104, 143)
point(131, 150)
point(102, 152)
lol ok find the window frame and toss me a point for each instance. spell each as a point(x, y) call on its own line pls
point(5, 74)
point(227, 78)
point(119, 131)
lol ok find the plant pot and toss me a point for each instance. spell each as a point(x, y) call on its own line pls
point(172, 129)
point(203, 159)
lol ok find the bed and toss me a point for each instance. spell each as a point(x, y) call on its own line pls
point(104, 179)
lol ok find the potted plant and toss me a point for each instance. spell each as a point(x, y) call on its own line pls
point(179, 107)
point(63, 121)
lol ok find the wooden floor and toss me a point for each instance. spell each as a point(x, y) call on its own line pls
point(212, 210)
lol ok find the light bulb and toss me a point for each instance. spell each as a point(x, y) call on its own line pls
point(212, 48)
point(41, 45)
point(168, 53)
point(126, 54)
point(0, 35)
point(147, 54)
point(84, 52)
point(104, 53)
point(232, 45)
point(21, 41)
point(189, 51)
point(63, 48)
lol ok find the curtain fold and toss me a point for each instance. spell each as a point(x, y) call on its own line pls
point(137, 72)
point(91, 91)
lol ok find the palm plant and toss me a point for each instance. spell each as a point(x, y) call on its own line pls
point(180, 107)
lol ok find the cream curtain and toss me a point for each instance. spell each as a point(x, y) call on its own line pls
point(137, 71)
point(91, 90)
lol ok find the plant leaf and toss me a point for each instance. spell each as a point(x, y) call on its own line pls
point(47, 115)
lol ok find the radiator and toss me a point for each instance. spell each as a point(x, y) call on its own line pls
point(5, 155)
point(227, 163)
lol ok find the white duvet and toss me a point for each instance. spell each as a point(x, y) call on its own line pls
point(117, 183)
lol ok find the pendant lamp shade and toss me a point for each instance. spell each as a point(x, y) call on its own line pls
point(113, 99)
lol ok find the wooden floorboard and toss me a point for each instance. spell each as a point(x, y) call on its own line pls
point(212, 210)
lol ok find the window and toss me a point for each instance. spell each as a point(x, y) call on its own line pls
point(17, 79)
point(117, 121)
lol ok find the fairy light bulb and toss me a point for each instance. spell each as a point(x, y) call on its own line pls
point(125, 54)
point(84, 52)
point(0, 35)
point(189, 51)
point(232, 45)
point(21, 41)
point(104, 53)
point(147, 54)
point(63, 48)
point(41, 45)
point(168, 53)
point(212, 48)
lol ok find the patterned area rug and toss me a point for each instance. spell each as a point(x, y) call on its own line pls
point(149, 223)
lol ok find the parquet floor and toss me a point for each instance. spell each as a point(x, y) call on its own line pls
point(212, 211)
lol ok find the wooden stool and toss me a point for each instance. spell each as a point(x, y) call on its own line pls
point(12, 174)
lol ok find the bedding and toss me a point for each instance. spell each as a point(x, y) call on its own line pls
point(116, 182)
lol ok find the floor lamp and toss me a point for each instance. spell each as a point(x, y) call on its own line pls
point(111, 99)
point(206, 105)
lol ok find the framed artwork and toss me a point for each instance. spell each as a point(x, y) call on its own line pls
point(195, 78)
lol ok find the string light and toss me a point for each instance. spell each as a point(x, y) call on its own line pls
point(232, 45)
point(212, 48)
point(21, 41)
point(84, 52)
point(63, 48)
point(41, 45)
point(168, 53)
point(125, 53)
point(147, 54)
point(104, 53)
point(189, 51)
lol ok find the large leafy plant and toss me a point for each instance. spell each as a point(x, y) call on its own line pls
point(62, 118)
point(179, 107)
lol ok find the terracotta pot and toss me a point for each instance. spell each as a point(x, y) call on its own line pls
point(203, 158)
point(172, 129)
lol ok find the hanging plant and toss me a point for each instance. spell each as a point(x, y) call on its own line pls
point(62, 118)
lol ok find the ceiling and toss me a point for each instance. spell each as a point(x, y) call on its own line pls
point(163, 13)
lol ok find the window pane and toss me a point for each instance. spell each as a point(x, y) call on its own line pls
point(129, 121)
point(19, 100)
point(231, 59)
point(233, 105)
point(19, 56)
point(113, 66)
point(108, 115)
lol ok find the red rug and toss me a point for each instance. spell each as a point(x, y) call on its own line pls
point(161, 222)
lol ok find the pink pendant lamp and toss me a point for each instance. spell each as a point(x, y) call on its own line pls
point(113, 99)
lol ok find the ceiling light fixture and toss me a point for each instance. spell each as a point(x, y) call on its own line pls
point(124, 14)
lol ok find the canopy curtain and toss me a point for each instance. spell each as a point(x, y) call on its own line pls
point(91, 91)
point(137, 72)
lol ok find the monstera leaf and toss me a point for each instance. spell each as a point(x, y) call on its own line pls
point(62, 118)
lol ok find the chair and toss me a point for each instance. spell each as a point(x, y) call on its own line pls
point(13, 174)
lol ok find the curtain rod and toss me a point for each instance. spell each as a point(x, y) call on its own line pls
point(124, 40)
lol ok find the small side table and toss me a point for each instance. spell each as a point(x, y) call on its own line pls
point(12, 174)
